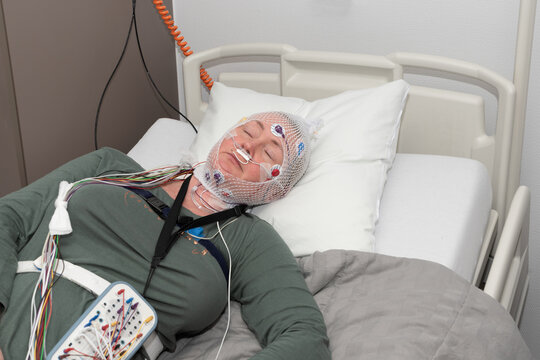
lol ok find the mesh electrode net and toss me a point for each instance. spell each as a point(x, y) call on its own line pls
point(287, 130)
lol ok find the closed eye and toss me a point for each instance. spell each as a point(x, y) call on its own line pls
point(269, 154)
point(273, 152)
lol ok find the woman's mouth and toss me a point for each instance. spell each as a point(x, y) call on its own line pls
point(236, 160)
point(231, 158)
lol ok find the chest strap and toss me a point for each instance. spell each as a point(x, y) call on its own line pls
point(74, 273)
point(173, 221)
point(162, 210)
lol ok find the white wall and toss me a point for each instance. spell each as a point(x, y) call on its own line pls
point(481, 31)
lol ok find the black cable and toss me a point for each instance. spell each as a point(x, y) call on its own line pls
point(150, 77)
point(133, 22)
point(112, 75)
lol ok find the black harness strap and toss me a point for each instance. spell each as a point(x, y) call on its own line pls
point(157, 205)
point(167, 239)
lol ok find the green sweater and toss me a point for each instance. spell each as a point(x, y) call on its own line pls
point(114, 235)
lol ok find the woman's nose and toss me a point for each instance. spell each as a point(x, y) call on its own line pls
point(248, 145)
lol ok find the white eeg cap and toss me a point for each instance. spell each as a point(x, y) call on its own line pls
point(294, 135)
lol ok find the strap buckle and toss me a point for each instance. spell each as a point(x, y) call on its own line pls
point(156, 204)
point(155, 261)
point(184, 220)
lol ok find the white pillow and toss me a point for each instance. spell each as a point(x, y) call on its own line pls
point(165, 143)
point(336, 204)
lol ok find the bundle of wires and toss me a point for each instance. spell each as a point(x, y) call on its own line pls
point(40, 314)
point(149, 179)
point(109, 341)
point(40, 317)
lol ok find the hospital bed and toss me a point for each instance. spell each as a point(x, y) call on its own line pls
point(452, 195)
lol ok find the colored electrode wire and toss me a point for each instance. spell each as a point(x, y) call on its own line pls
point(134, 22)
point(108, 341)
point(40, 315)
point(141, 180)
point(182, 43)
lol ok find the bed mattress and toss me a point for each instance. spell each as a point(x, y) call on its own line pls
point(433, 208)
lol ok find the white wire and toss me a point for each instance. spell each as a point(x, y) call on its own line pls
point(95, 347)
point(213, 236)
point(33, 324)
point(102, 342)
point(98, 342)
point(228, 292)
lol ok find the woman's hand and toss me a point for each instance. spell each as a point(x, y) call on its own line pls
point(1, 356)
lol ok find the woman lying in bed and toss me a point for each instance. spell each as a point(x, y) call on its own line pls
point(115, 234)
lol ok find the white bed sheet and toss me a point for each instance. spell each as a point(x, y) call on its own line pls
point(417, 219)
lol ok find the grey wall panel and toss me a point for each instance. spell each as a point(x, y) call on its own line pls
point(62, 54)
point(12, 169)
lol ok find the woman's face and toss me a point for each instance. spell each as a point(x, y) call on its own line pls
point(258, 142)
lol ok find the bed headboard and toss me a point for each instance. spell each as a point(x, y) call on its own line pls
point(435, 121)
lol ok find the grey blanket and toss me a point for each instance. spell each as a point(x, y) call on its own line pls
point(382, 307)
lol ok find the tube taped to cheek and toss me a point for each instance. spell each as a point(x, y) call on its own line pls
point(276, 179)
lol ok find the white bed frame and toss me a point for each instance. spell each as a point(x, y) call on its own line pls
point(435, 121)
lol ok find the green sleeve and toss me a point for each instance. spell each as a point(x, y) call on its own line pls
point(276, 303)
point(22, 212)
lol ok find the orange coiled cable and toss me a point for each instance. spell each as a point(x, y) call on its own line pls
point(176, 34)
